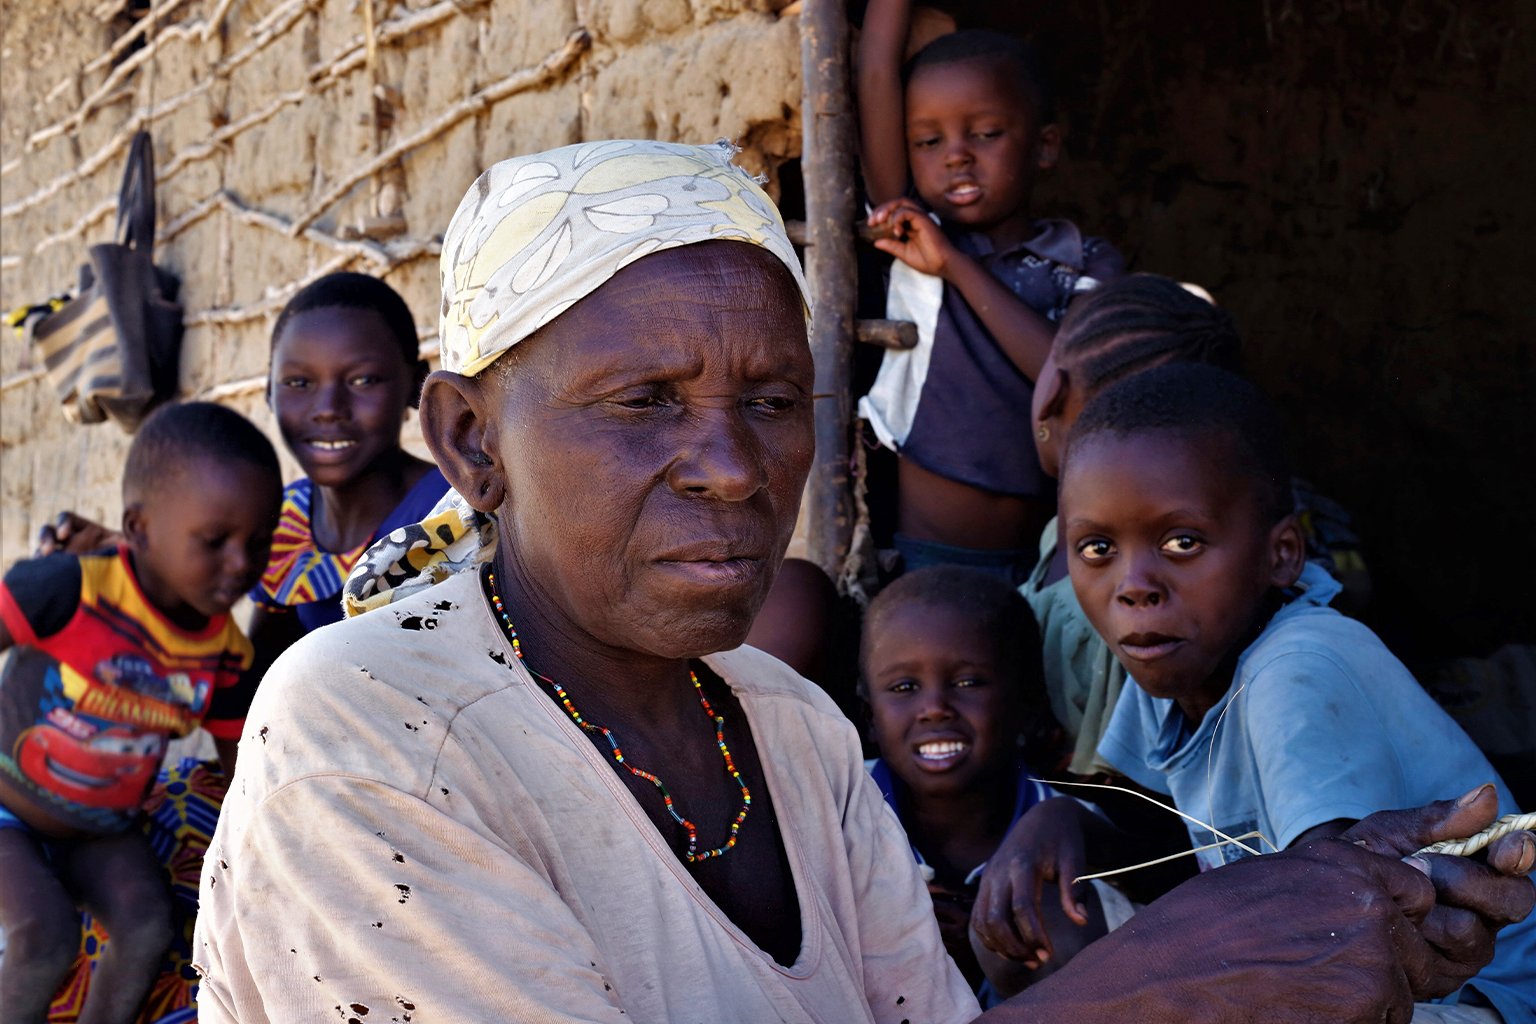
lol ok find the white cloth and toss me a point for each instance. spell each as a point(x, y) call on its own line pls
point(415, 821)
point(891, 404)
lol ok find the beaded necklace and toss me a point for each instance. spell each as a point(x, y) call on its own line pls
point(692, 855)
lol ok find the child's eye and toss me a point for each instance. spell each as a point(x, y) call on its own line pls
point(1094, 550)
point(970, 681)
point(1183, 544)
point(364, 380)
point(294, 382)
point(926, 142)
point(901, 686)
point(215, 542)
point(991, 133)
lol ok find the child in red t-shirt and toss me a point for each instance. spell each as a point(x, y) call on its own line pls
point(109, 655)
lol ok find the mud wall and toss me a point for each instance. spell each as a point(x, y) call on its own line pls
point(287, 146)
point(1350, 177)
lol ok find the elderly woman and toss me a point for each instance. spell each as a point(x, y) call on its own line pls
point(553, 787)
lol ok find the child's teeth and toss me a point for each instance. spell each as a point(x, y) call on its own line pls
point(331, 446)
point(947, 748)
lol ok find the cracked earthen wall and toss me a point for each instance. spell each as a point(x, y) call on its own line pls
point(277, 136)
point(1349, 177)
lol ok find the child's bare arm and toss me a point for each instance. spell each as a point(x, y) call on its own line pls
point(1024, 335)
point(227, 749)
point(882, 108)
point(271, 633)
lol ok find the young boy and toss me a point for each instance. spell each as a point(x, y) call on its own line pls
point(951, 673)
point(986, 286)
point(109, 655)
point(1256, 707)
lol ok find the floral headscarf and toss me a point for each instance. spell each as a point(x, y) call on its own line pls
point(532, 237)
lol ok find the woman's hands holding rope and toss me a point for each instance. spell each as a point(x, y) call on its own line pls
point(1473, 898)
point(1336, 929)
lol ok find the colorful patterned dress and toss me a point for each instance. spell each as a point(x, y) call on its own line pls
point(304, 578)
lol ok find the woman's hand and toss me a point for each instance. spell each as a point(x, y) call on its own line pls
point(1327, 930)
point(1045, 846)
point(1473, 897)
point(75, 535)
point(906, 231)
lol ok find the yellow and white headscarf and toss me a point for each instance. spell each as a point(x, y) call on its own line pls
point(532, 237)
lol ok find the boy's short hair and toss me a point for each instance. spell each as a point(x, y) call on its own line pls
point(1198, 400)
point(1140, 321)
point(981, 596)
point(984, 46)
point(350, 290)
point(173, 435)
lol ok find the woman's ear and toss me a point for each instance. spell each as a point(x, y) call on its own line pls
point(1287, 552)
point(457, 424)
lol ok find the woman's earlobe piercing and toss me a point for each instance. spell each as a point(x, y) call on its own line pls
point(1042, 433)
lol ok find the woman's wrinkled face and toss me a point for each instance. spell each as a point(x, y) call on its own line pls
point(654, 441)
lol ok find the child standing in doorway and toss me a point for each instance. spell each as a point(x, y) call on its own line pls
point(108, 655)
point(969, 123)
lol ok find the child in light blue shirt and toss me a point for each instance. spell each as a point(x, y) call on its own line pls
point(1260, 710)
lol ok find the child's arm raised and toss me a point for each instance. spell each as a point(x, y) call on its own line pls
point(1024, 335)
point(882, 108)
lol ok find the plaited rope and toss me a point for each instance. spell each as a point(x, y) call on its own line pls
point(1470, 845)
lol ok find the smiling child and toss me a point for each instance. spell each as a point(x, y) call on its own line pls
point(110, 654)
point(952, 678)
point(1256, 706)
point(986, 286)
point(345, 368)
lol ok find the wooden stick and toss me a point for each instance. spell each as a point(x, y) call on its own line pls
point(322, 76)
point(546, 71)
point(127, 39)
point(214, 20)
point(270, 28)
point(897, 334)
point(828, 164)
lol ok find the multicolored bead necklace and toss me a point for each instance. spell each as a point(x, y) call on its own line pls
point(692, 855)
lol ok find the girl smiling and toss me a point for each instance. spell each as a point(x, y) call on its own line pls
point(345, 368)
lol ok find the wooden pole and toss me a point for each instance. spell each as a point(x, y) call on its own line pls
point(827, 163)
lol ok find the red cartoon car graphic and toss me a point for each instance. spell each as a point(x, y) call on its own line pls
point(111, 770)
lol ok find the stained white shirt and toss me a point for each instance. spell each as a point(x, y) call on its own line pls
point(416, 829)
